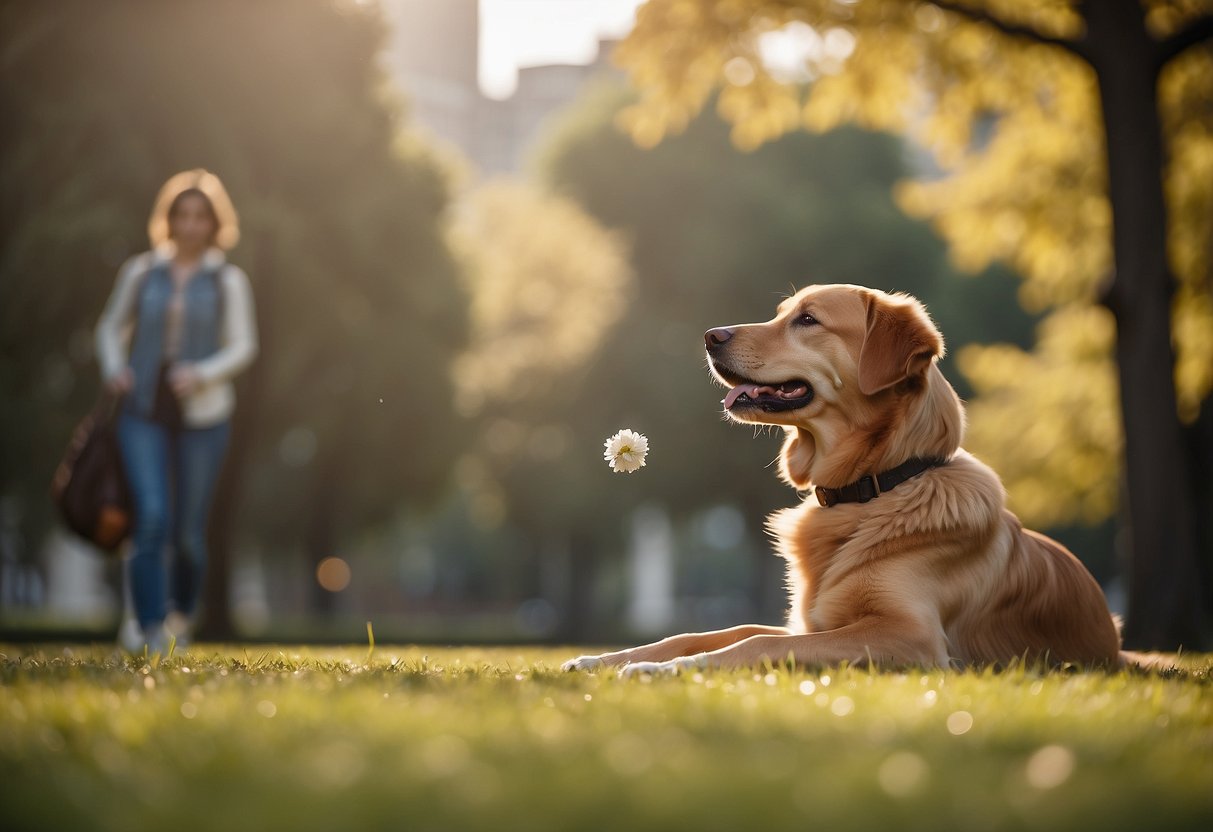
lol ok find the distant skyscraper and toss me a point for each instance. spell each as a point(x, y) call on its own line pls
point(433, 54)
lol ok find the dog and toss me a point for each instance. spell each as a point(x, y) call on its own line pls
point(903, 552)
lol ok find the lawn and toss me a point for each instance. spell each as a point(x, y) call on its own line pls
point(413, 738)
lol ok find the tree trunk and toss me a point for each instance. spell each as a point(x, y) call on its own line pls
point(768, 594)
point(322, 528)
point(217, 622)
point(1164, 596)
point(577, 620)
point(1199, 438)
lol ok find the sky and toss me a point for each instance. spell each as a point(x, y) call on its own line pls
point(516, 33)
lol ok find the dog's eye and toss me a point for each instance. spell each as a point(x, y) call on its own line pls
point(805, 319)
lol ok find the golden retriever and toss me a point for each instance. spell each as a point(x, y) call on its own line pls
point(903, 553)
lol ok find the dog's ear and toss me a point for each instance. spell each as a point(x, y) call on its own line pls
point(900, 342)
point(797, 457)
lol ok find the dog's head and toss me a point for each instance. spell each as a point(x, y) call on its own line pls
point(849, 373)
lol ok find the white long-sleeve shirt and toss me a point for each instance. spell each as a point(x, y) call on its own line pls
point(214, 399)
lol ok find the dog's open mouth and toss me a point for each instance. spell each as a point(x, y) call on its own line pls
point(771, 398)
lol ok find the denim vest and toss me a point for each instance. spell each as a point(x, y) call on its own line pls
point(201, 320)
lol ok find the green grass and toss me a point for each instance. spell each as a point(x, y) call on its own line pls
point(294, 738)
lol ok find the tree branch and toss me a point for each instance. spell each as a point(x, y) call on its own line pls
point(1198, 30)
point(976, 15)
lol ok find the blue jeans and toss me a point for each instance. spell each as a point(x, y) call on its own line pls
point(172, 479)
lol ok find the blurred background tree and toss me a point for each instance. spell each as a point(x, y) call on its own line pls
point(348, 412)
point(548, 286)
point(1071, 139)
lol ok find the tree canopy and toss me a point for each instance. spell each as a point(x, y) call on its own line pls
point(547, 285)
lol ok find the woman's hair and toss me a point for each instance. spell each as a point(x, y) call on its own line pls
point(197, 182)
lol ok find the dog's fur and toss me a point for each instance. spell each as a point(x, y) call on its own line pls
point(933, 572)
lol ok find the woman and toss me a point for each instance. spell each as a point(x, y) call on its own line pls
point(177, 328)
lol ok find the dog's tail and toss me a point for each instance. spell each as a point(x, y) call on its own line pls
point(1149, 662)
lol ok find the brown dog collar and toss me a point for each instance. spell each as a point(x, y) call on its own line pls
point(871, 486)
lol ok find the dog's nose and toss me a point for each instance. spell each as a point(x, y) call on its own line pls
point(716, 337)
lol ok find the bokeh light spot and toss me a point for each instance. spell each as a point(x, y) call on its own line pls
point(1049, 767)
point(959, 722)
point(333, 574)
point(842, 706)
point(903, 773)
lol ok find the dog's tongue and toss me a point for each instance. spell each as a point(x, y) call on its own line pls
point(750, 390)
point(787, 390)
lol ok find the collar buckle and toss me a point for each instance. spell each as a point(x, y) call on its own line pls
point(867, 488)
point(826, 497)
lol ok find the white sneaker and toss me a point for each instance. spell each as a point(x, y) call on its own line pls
point(158, 642)
point(130, 637)
point(135, 641)
point(180, 627)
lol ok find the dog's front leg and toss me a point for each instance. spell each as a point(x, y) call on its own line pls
point(875, 640)
point(675, 646)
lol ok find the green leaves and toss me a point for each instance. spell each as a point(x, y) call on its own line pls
point(998, 93)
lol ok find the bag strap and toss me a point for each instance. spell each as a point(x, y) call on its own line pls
point(106, 407)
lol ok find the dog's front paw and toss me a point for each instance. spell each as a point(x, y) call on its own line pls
point(583, 663)
point(683, 664)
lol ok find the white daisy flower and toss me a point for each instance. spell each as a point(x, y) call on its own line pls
point(625, 451)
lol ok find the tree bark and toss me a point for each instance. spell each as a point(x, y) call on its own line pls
point(1165, 610)
point(218, 624)
point(217, 621)
point(322, 529)
point(1199, 437)
point(578, 616)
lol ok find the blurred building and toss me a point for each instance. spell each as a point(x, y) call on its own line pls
point(433, 53)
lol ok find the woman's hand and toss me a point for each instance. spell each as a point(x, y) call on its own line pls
point(184, 379)
point(122, 382)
